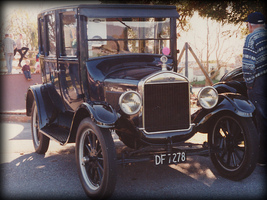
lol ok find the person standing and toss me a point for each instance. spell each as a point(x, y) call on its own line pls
point(9, 46)
point(20, 48)
point(254, 66)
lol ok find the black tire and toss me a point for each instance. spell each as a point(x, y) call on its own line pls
point(40, 141)
point(234, 146)
point(96, 160)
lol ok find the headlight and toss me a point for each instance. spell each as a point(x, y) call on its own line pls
point(130, 102)
point(208, 97)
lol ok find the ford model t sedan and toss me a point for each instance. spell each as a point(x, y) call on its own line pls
point(112, 70)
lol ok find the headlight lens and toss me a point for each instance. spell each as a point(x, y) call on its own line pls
point(130, 102)
point(208, 97)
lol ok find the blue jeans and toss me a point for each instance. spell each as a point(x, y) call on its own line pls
point(9, 59)
point(258, 96)
point(27, 74)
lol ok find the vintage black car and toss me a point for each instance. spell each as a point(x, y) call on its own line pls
point(104, 73)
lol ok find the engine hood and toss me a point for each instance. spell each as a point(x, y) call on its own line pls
point(134, 72)
point(127, 67)
point(128, 78)
point(111, 75)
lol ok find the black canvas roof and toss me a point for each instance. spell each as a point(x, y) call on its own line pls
point(123, 10)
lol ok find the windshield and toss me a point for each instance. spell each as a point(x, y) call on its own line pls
point(127, 35)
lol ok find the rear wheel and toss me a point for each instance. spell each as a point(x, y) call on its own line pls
point(96, 160)
point(234, 146)
point(40, 141)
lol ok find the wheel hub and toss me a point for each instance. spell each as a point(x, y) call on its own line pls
point(93, 153)
point(230, 143)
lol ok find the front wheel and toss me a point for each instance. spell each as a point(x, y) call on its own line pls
point(96, 160)
point(234, 146)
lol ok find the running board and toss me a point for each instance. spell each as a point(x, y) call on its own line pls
point(57, 133)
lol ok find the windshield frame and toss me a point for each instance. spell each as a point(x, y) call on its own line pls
point(141, 28)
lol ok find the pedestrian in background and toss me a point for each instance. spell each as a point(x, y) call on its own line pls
point(9, 46)
point(27, 70)
point(37, 64)
point(20, 49)
point(254, 65)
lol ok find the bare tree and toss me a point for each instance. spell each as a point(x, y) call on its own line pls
point(216, 43)
point(20, 21)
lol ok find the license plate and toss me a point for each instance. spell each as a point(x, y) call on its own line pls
point(169, 158)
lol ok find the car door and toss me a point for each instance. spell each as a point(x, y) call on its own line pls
point(68, 62)
point(49, 59)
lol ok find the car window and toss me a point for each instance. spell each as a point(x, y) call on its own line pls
point(109, 36)
point(51, 34)
point(69, 36)
point(40, 38)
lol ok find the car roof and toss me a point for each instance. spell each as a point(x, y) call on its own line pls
point(120, 10)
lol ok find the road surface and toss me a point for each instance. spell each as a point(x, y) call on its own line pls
point(26, 174)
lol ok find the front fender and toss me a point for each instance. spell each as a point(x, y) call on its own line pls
point(100, 112)
point(228, 102)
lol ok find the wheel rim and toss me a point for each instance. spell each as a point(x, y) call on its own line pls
point(91, 159)
point(229, 143)
point(35, 127)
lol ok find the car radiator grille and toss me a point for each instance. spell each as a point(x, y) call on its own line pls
point(166, 106)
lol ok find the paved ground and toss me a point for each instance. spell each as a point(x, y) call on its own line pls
point(26, 174)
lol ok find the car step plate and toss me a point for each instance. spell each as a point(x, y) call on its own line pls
point(170, 158)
